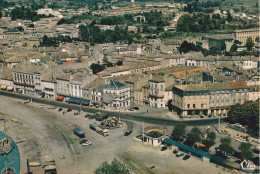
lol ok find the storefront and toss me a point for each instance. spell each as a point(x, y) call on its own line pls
point(59, 98)
point(3, 87)
point(10, 88)
point(154, 137)
point(85, 102)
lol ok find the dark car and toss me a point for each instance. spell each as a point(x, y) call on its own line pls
point(164, 148)
point(175, 151)
point(60, 109)
point(77, 131)
point(90, 116)
point(135, 108)
point(179, 154)
point(69, 110)
point(127, 133)
point(77, 113)
point(186, 157)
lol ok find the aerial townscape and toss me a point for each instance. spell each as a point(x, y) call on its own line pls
point(129, 86)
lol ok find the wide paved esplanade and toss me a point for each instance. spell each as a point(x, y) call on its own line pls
point(208, 98)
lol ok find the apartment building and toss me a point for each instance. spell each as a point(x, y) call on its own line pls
point(27, 79)
point(243, 35)
point(116, 96)
point(70, 85)
point(209, 98)
point(156, 92)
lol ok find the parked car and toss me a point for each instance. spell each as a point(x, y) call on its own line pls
point(82, 141)
point(164, 148)
point(175, 151)
point(179, 154)
point(127, 133)
point(136, 108)
point(52, 107)
point(186, 157)
point(60, 109)
point(27, 101)
point(69, 110)
point(130, 109)
point(87, 143)
point(79, 132)
point(41, 106)
point(77, 113)
point(90, 116)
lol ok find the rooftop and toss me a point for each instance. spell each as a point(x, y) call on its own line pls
point(115, 85)
point(212, 86)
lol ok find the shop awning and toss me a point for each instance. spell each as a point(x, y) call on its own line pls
point(60, 97)
point(74, 100)
point(3, 86)
point(85, 102)
point(10, 88)
point(67, 99)
point(96, 103)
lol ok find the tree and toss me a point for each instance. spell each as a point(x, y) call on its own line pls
point(210, 140)
point(196, 130)
point(249, 44)
point(234, 113)
point(233, 48)
point(246, 151)
point(191, 139)
point(257, 39)
point(223, 46)
point(96, 68)
point(119, 63)
point(226, 147)
point(179, 131)
point(256, 5)
point(229, 17)
point(20, 28)
point(194, 136)
point(115, 167)
point(242, 8)
point(208, 143)
point(211, 135)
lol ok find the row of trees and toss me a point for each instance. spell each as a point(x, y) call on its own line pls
point(97, 67)
point(194, 136)
point(54, 41)
point(201, 22)
point(187, 47)
point(5, 4)
point(245, 114)
point(26, 14)
point(115, 167)
point(93, 34)
point(201, 7)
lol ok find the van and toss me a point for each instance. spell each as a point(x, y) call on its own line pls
point(79, 132)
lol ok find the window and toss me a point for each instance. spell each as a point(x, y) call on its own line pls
point(188, 105)
point(194, 105)
point(201, 105)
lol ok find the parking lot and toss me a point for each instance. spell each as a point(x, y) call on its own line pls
point(48, 134)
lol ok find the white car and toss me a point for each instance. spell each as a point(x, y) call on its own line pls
point(87, 143)
point(41, 106)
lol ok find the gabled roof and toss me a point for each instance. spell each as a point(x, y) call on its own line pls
point(115, 85)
